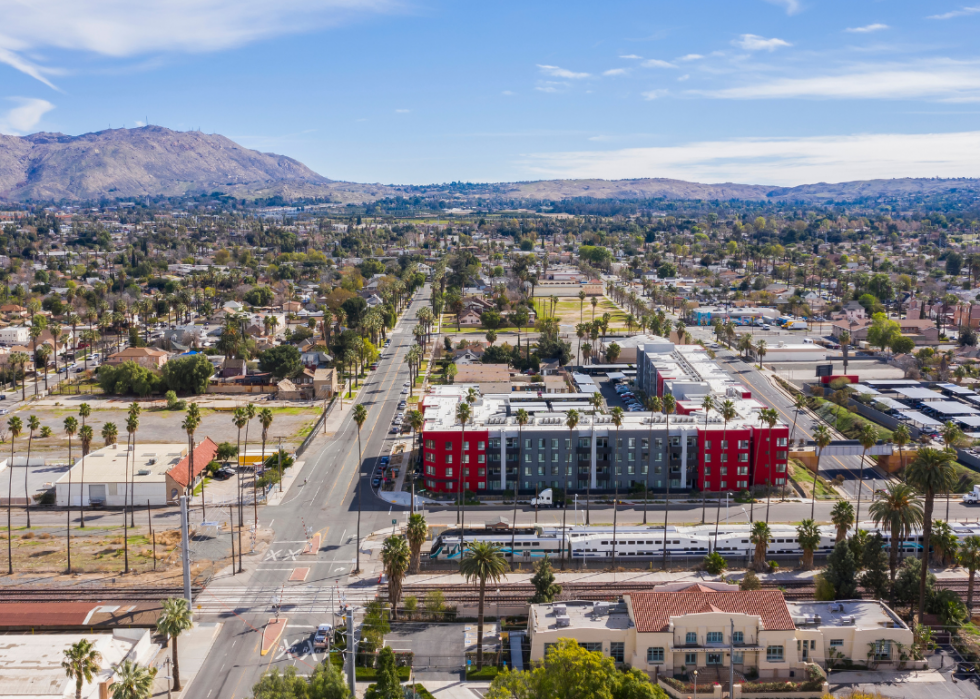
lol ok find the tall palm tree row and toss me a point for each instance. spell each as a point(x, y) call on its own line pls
point(395, 558)
point(930, 472)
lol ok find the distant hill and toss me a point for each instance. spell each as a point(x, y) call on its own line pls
point(156, 161)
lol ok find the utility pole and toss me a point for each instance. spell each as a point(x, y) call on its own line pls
point(231, 531)
point(352, 651)
point(185, 553)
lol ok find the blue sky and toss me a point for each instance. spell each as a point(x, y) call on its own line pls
point(776, 92)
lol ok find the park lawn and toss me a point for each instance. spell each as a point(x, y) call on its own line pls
point(567, 312)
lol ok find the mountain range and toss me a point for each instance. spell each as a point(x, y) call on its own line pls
point(156, 161)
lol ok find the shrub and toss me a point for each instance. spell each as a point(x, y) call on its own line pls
point(750, 581)
point(715, 563)
point(485, 673)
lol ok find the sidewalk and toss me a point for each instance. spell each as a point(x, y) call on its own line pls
point(193, 647)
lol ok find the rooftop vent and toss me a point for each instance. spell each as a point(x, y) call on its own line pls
point(143, 472)
point(563, 621)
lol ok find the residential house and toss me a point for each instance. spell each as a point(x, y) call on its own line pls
point(146, 357)
point(233, 367)
point(922, 332)
point(469, 317)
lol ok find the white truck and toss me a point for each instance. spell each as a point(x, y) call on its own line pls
point(973, 497)
point(545, 499)
point(796, 325)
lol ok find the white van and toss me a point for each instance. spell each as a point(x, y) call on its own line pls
point(807, 341)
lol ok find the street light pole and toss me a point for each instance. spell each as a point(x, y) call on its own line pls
point(360, 477)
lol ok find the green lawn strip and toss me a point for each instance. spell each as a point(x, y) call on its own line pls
point(846, 422)
point(804, 476)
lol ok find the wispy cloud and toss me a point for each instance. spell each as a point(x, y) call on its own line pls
point(867, 29)
point(121, 30)
point(946, 81)
point(508, 93)
point(754, 42)
point(616, 71)
point(962, 12)
point(562, 72)
point(631, 56)
point(546, 88)
point(654, 94)
point(775, 161)
point(691, 57)
point(25, 116)
point(792, 6)
point(657, 63)
point(683, 78)
point(140, 123)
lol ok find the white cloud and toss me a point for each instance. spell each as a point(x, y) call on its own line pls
point(792, 6)
point(775, 161)
point(962, 12)
point(946, 81)
point(654, 94)
point(683, 78)
point(120, 29)
point(402, 111)
point(867, 29)
point(25, 115)
point(691, 57)
point(546, 88)
point(753, 42)
point(616, 71)
point(657, 63)
point(507, 92)
point(631, 56)
point(140, 123)
point(562, 72)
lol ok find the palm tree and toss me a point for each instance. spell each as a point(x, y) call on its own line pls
point(821, 435)
point(250, 413)
point(484, 562)
point(799, 403)
point(843, 517)
point(416, 531)
point(175, 620)
point(901, 437)
point(944, 542)
point(952, 436)
point(760, 537)
point(15, 426)
point(81, 663)
point(190, 424)
point(930, 472)
point(616, 415)
point(760, 350)
point(32, 424)
point(770, 417)
point(900, 510)
point(395, 557)
point(653, 404)
point(868, 437)
point(265, 419)
point(522, 419)
point(463, 414)
point(594, 302)
point(71, 427)
point(809, 537)
point(581, 302)
point(360, 416)
point(132, 425)
point(669, 403)
point(845, 345)
point(85, 436)
point(707, 404)
point(239, 419)
point(969, 558)
point(20, 359)
point(571, 422)
point(110, 433)
point(133, 681)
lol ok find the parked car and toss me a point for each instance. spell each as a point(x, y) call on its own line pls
point(385, 460)
point(375, 482)
point(402, 405)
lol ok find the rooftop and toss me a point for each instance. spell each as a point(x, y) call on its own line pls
point(859, 613)
point(654, 610)
point(108, 464)
point(545, 617)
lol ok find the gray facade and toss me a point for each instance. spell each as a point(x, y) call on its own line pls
point(546, 455)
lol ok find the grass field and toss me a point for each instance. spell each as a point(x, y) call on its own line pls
point(567, 311)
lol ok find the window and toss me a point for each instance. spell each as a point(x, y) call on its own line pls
point(724, 458)
point(554, 443)
point(738, 637)
point(568, 444)
point(724, 470)
point(631, 470)
point(482, 458)
point(707, 470)
point(466, 446)
point(675, 482)
point(429, 456)
point(742, 485)
point(659, 442)
point(738, 658)
point(527, 443)
point(430, 444)
point(743, 444)
point(481, 472)
point(540, 470)
point(743, 458)
point(554, 457)
point(430, 484)
point(527, 470)
point(707, 444)
point(724, 484)
point(692, 638)
point(481, 485)
point(715, 637)
point(707, 458)
point(541, 457)
point(690, 658)
point(724, 444)
point(527, 458)
point(617, 651)
point(541, 443)
point(644, 443)
point(631, 443)
point(774, 654)
point(449, 473)
point(743, 470)
point(592, 647)
point(481, 446)
point(584, 442)
point(655, 655)
point(449, 458)
point(781, 441)
point(780, 468)
point(430, 470)
point(781, 455)
point(466, 472)
point(780, 481)
point(883, 650)
point(449, 445)
point(495, 443)
point(837, 643)
point(466, 458)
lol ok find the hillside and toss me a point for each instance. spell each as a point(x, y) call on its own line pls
point(156, 161)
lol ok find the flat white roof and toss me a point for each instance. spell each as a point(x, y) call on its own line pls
point(952, 407)
point(918, 418)
point(919, 393)
point(108, 464)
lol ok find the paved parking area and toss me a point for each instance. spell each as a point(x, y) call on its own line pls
point(438, 648)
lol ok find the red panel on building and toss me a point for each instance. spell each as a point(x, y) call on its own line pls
point(443, 456)
point(770, 455)
point(853, 378)
point(720, 475)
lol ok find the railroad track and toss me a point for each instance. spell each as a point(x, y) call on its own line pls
point(88, 594)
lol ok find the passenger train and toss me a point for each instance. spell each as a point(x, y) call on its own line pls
point(596, 541)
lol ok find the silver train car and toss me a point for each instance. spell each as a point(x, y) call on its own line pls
point(582, 541)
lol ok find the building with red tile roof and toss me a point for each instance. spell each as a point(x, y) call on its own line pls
point(204, 453)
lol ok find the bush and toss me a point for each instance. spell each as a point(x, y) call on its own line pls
point(715, 563)
point(187, 374)
point(485, 673)
point(127, 378)
point(750, 581)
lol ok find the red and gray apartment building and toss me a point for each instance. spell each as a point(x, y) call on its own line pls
point(493, 452)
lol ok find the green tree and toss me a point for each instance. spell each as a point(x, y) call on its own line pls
point(416, 532)
point(944, 543)
point(809, 537)
point(875, 577)
point(484, 562)
point(715, 563)
point(81, 663)
point(969, 558)
point(882, 331)
point(175, 620)
point(395, 558)
point(823, 589)
point(261, 296)
point(386, 685)
point(133, 681)
point(760, 536)
point(900, 511)
point(905, 589)
point(841, 571)
point(545, 589)
point(283, 361)
point(843, 518)
point(947, 605)
point(188, 374)
point(930, 472)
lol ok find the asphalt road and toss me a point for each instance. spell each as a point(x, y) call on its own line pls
point(327, 505)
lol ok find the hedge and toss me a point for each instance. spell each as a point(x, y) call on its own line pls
point(485, 673)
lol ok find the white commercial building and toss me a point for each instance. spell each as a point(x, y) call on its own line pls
point(15, 335)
